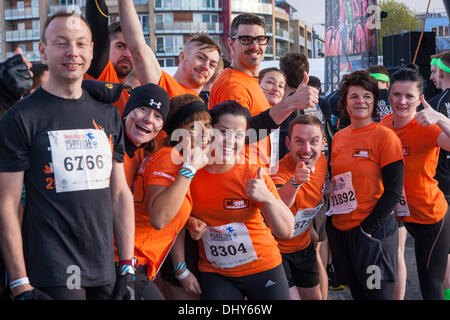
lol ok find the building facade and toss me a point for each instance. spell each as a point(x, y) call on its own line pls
point(437, 22)
point(167, 24)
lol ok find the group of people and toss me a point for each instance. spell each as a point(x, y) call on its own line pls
point(120, 181)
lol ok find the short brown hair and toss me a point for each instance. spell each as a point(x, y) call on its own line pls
point(437, 55)
point(179, 102)
point(114, 28)
point(246, 18)
point(204, 41)
point(445, 58)
point(263, 72)
point(359, 78)
point(378, 69)
point(307, 119)
point(294, 64)
point(62, 14)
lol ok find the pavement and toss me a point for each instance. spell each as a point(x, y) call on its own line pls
point(412, 282)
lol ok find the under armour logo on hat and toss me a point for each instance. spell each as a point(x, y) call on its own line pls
point(152, 102)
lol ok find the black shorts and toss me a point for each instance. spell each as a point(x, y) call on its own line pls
point(301, 267)
point(191, 256)
point(267, 285)
point(354, 253)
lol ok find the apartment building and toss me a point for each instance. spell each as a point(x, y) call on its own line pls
point(166, 24)
point(437, 22)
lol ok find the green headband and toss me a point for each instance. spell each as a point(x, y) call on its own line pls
point(434, 61)
point(381, 77)
point(441, 65)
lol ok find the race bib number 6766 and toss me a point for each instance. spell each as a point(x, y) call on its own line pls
point(82, 159)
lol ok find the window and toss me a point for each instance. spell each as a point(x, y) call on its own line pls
point(145, 23)
point(170, 62)
point(159, 44)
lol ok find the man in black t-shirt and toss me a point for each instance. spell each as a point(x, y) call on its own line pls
point(67, 148)
point(381, 74)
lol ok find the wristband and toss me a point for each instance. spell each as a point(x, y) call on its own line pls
point(434, 61)
point(183, 275)
point(188, 171)
point(19, 282)
point(381, 77)
point(189, 167)
point(294, 183)
point(180, 266)
point(441, 65)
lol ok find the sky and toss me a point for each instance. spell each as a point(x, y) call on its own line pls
point(312, 14)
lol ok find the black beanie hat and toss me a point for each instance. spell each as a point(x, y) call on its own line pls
point(150, 96)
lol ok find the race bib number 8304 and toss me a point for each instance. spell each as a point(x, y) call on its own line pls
point(82, 159)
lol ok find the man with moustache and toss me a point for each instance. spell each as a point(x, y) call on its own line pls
point(248, 43)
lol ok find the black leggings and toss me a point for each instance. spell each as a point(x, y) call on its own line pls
point(432, 243)
point(267, 285)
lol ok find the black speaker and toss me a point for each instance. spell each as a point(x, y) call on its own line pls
point(399, 49)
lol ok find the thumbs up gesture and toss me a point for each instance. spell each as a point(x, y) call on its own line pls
point(256, 189)
point(303, 172)
point(305, 96)
point(428, 116)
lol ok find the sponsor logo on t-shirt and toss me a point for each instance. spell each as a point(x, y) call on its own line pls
point(361, 153)
point(165, 175)
point(406, 151)
point(235, 204)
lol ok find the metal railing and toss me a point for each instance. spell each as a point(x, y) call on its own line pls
point(251, 6)
point(31, 55)
point(189, 27)
point(188, 5)
point(22, 35)
point(282, 34)
point(25, 13)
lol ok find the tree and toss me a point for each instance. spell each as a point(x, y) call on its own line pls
point(400, 18)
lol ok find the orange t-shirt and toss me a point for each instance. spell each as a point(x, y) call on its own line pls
point(426, 202)
point(238, 240)
point(173, 87)
point(109, 75)
point(243, 88)
point(309, 196)
point(362, 153)
point(131, 165)
point(151, 246)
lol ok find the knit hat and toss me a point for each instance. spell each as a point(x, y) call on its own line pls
point(150, 96)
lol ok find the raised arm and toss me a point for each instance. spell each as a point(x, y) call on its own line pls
point(97, 17)
point(146, 65)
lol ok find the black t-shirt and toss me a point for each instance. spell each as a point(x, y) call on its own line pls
point(383, 105)
point(66, 150)
point(441, 103)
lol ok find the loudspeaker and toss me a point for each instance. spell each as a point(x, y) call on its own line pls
point(399, 49)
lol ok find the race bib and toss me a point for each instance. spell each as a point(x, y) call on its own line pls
point(304, 217)
point(402, 209)
point(274, 147)
point(82, 159)
point(342, 196)
point(229, 245)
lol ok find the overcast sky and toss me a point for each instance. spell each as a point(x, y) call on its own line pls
point(315, 13)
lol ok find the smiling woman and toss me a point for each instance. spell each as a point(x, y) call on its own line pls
point(367, 179)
